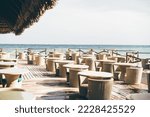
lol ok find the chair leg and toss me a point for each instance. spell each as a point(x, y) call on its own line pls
point(4, 82)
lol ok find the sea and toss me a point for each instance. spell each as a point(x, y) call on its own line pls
point(144, 50)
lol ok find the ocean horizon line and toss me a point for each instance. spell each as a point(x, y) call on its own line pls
point(81, 44)
point(143, 49)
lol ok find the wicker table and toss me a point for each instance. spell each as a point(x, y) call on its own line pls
point(13, 75)
point(123, 67)
point(148, 79)
point(75, 68)
point(99, 84)
point(62, 70)
point(96, 75)
point(7, 64)
point(51, 64)
point(106, 65)
point(8, 60)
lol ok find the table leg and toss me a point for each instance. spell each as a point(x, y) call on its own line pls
point(56, 69)
point(148, 82)
point(51, 66)
point(62, 70)
point(123, 72)
point(67, 74)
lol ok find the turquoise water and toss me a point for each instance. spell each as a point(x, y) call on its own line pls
point(21, 47)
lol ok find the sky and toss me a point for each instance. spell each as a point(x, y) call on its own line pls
point(89, 22)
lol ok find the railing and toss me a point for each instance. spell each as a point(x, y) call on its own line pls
point(43, 51)
point(131, 55)
point(125, 53)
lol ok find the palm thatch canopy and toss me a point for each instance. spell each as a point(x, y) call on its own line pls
point(16, 15)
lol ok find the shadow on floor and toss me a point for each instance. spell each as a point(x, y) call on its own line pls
point(136, 90)
point(62, 95)
point(57, 83)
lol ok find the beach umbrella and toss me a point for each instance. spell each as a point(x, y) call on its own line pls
point(17, 15)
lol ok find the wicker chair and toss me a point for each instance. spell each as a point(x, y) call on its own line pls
point(73, 77)
point(51, 64)
point(99, 89)
point(134, 75)
point(83, 86)
point(107, 67)
point(90, 63)
point(39, 60)
point(22, 55)
point(75, 57)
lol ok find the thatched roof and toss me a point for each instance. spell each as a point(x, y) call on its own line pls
point(16, 15)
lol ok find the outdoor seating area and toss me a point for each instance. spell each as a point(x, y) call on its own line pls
point(93, 54)
point(75, 75)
